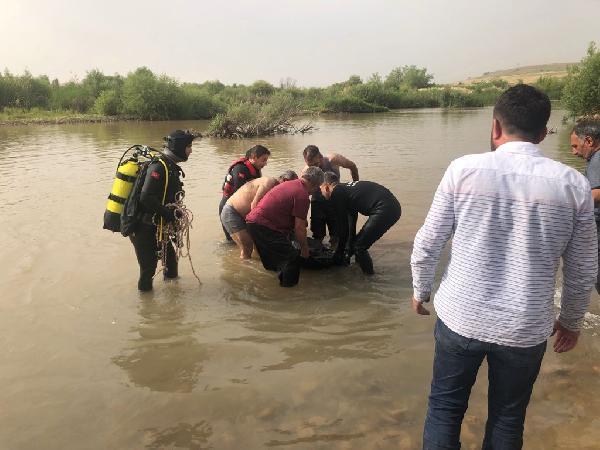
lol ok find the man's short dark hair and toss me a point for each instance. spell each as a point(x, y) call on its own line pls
point(331, 178)
point(523, 111)
point(257, 151)
point(311, 151)
point(588, 127)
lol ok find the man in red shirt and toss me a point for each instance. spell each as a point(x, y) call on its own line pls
point(280, 212)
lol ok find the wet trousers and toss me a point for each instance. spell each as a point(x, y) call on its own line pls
point(512, 372)
point(376, 226)
point(322, 217)
point(146, 251)
point(277, 253)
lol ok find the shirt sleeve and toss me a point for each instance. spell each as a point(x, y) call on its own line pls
point(153, 190)
point(580, 268)
point(593, 173)
point(432, 237)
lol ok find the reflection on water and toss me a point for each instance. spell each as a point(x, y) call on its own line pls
point(184, 435)
point(338, 362)
point(165, 355)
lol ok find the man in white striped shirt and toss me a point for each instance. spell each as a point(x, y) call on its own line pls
point(512, 214)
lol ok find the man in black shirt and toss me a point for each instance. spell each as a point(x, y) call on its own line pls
point(365, 197)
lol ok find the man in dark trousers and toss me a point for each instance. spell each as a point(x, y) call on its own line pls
point(240, 172)
point(365, 197)
point(161, 185)
point(322, 214)
point(280, 212)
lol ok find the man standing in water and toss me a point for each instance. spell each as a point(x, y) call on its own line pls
point(281, 211)
point(242, 202)
point(365, 197)
point(241, 171)
point(512, 214)
point(585, 143)
point(322, 215)
point(161, 185)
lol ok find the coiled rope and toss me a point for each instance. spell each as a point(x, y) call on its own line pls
point(176, 232)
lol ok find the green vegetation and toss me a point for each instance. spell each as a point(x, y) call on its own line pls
point(242, 110)
point(581, 93)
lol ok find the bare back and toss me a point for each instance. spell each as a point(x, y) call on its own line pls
point(246, 197)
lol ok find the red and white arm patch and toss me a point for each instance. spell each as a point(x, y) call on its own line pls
point(155, 175)
point(241, 175)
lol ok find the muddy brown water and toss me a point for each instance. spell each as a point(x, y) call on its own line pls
point(339, 362)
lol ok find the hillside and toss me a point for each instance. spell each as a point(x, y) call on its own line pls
point(528, 74)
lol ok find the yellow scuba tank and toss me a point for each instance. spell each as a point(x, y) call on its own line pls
point(121, 188)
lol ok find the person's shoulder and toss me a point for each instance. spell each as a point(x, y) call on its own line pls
point(594, 162)
point(157, 164)
point(268, 181)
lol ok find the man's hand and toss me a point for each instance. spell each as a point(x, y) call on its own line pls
point(565, 339)
point(418, 307)
point(304, 252)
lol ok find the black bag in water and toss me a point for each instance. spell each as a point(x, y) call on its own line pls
point(132, 214)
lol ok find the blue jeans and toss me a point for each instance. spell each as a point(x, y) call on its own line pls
point(511, 374)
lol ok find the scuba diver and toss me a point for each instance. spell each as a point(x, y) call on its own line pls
point(365, 197)
point(322, 214)
point(159, 187)
point(240, 172)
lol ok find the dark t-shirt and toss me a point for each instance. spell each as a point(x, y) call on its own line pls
point(280, 206)
point(592, 172)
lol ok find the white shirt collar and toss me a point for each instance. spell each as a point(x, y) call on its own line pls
point(520, 147)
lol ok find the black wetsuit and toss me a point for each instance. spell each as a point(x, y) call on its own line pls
point(369, 199)
point(151, 203)
point(240, 175)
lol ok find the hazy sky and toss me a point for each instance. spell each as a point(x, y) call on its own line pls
point(314, 42)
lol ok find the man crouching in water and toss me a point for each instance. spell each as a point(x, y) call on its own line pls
point(242, 202)
point(368, 198)
point(281, 211)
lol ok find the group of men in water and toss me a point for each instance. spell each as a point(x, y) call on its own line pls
point(271, 213)
point(512, 214)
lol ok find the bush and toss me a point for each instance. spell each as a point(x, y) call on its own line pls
point(581, 94)
point(349, 104)
point(108, 103)
point(150, 98)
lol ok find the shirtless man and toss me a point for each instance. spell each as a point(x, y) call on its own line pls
point(242, 202)
point(322, 215)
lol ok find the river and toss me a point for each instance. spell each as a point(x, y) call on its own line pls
point(338, 362)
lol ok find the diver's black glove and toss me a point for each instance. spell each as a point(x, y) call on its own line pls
point(167, 213)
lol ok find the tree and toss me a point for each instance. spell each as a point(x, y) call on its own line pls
point(395, 78)
point(147, 97)
point(410, 77)
point(581, 94)
point(415, 78)
point(262, 88)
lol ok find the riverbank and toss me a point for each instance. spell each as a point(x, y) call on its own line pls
point(39, 117)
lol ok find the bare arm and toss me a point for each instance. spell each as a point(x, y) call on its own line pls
point(596, 196)
point(262, 190)
point(342, 161)
point(300, 231)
